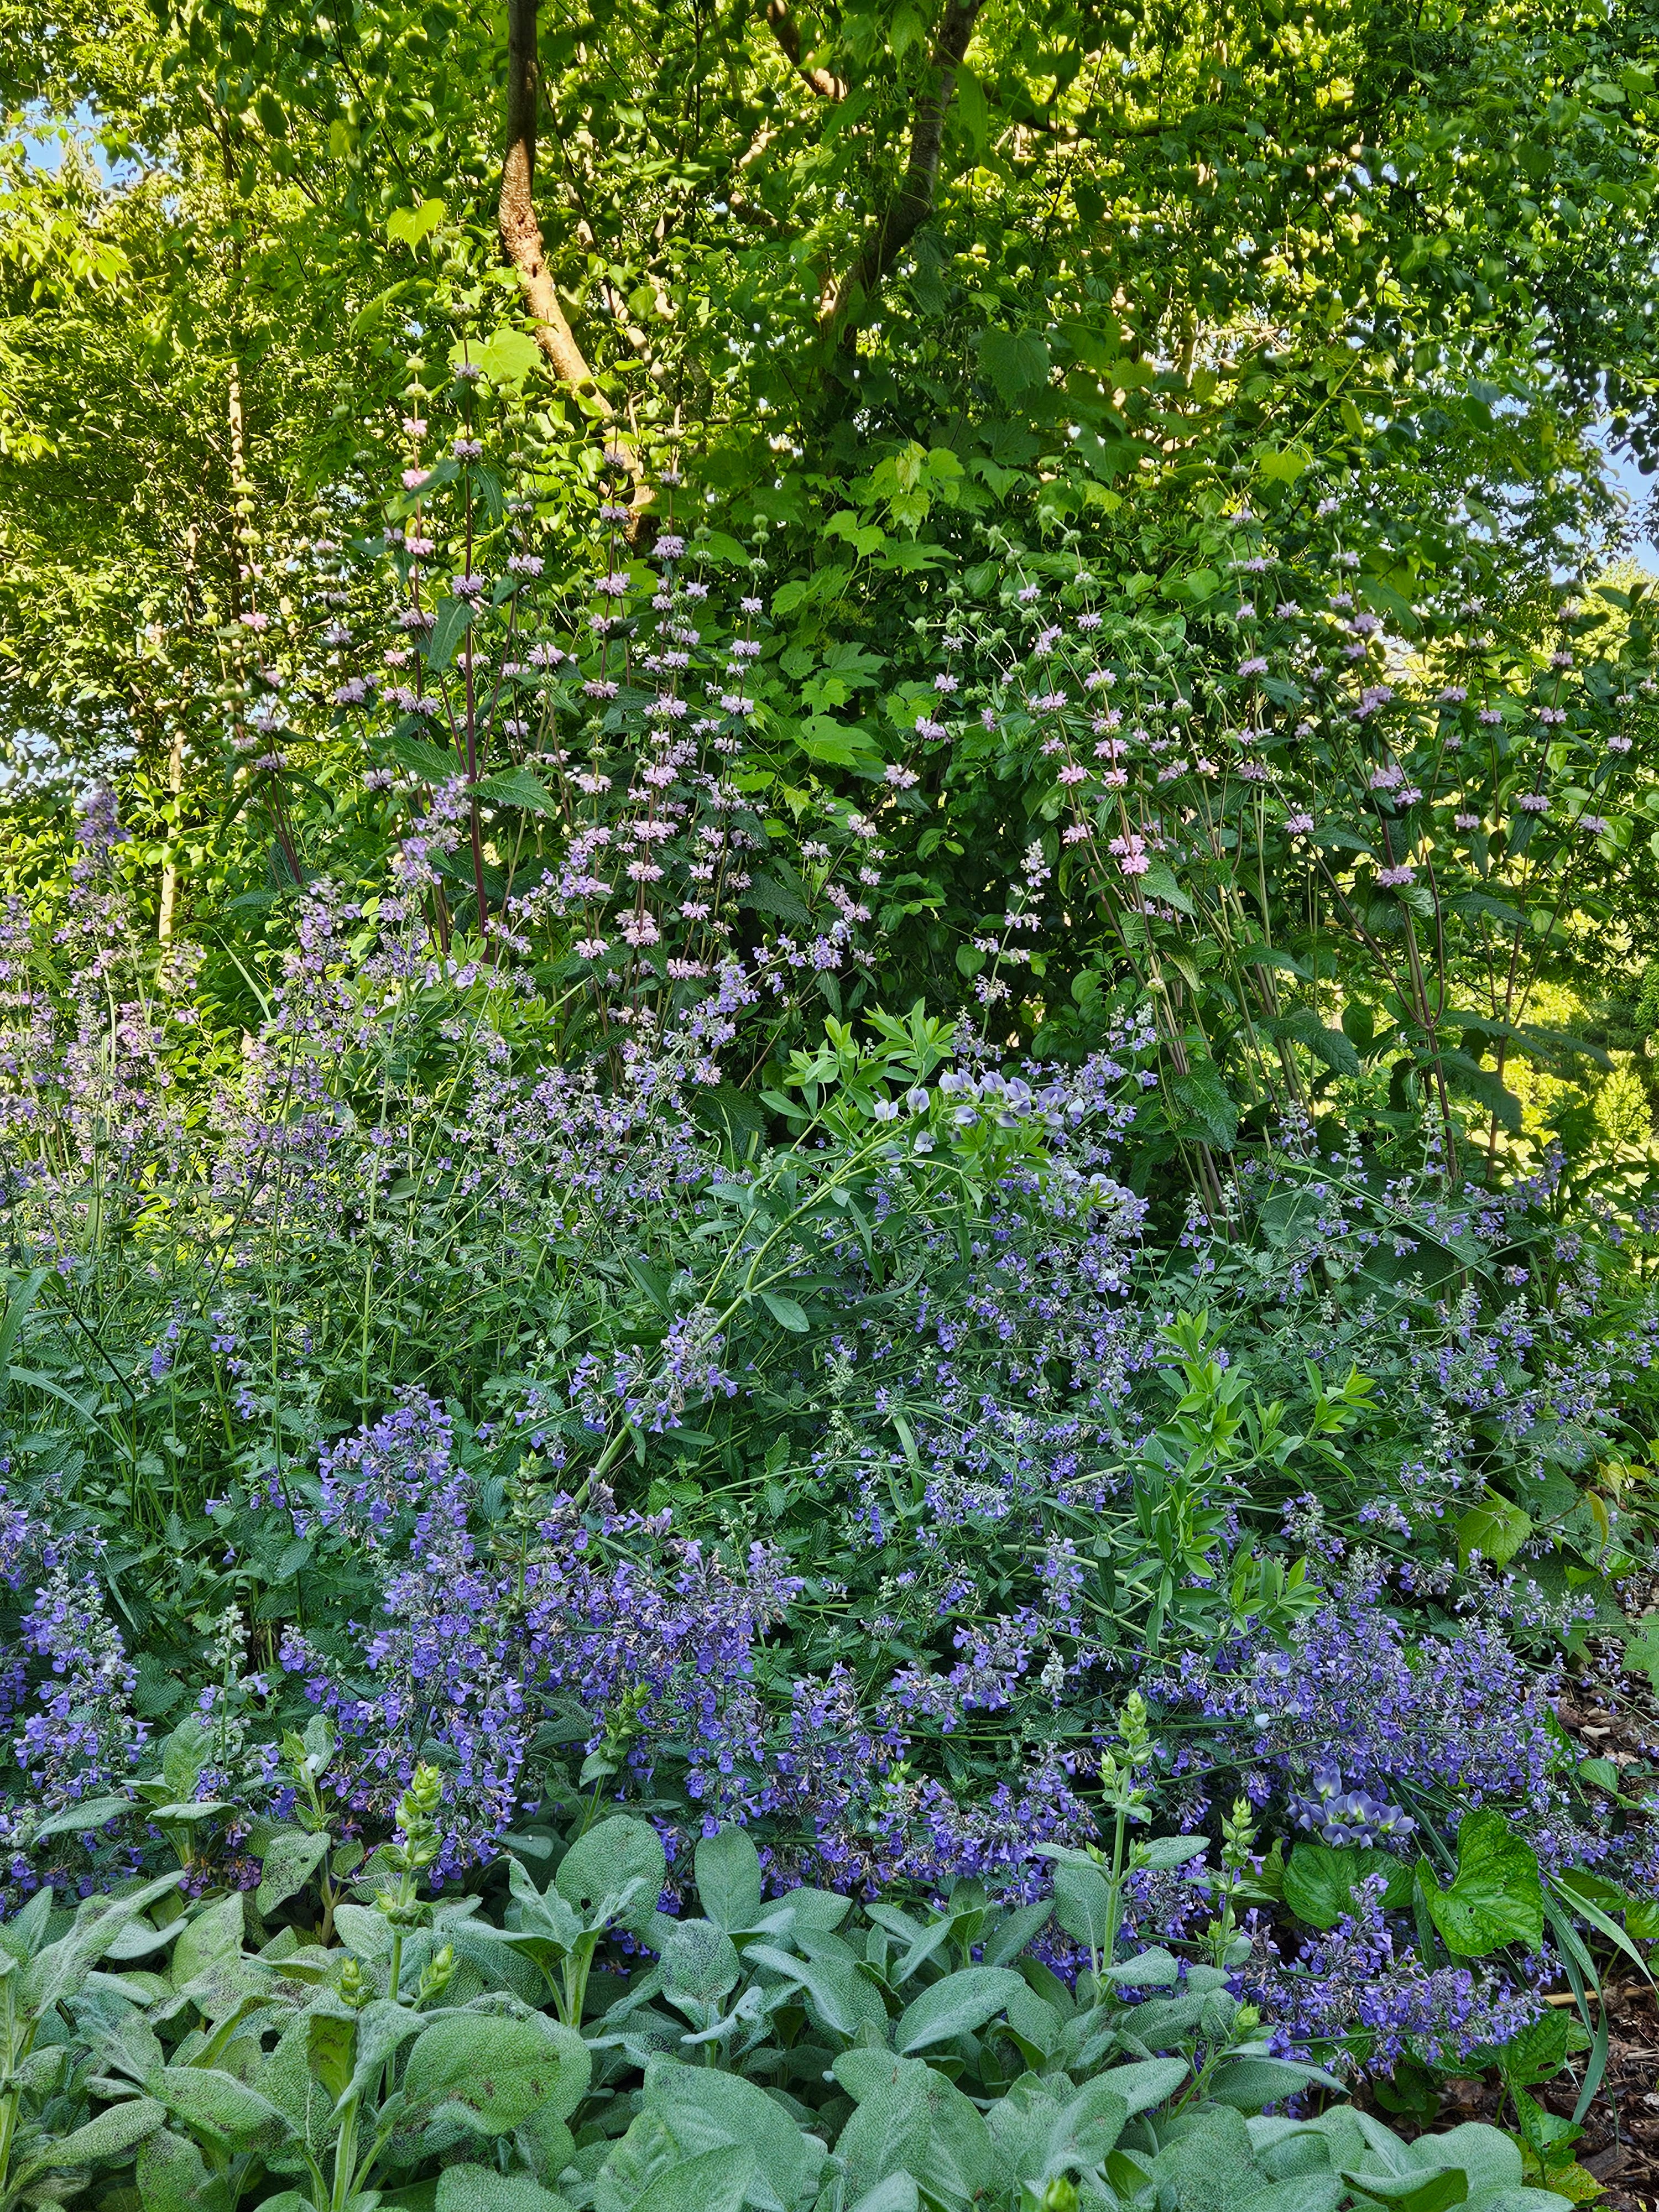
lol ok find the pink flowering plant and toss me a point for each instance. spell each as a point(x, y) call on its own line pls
point(1334, 837)
point(558, 748)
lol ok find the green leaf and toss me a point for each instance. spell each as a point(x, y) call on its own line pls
point(728, 1872)
point(508, 355)
point(1413, 2192)
point(1320, 1880)
point(1641, 1648)
point(1012, 361)
point(481, 2189)
point(287, 1865)
point(454, 620)
point(1495, 1529)
point(432, 764)
point(114, 2134)
point(219, 2107)
point(516, 787)
point(956, 2006)
point(699, 1960)
point(605, 1862)
point(714, 2181)
point(1277, 464)
point(90, 1813)
point(787, 2159)
point(916, 2122)
point(213, 1936)
point(1083, 1903)
point(172, 2176)
point(842, 1998)
point(786, 1311)
point(1496, 1897)
point(331, 2050)
point(1481, 1084)
point(489, 2073)
point(1249, 2082)
point(1212, 2166)
point(1160, 883)
point(1303, 1026)
point(409, 226)
point(1208, 1101)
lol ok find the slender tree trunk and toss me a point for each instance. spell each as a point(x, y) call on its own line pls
point(521, 233)
point(844, 300)
point(167, 908)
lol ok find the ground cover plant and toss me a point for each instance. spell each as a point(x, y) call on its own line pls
point(826, 1183)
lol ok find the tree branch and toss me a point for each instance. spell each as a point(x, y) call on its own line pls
point(785, 29)
point(842, 299)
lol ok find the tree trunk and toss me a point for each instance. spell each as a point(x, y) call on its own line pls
point(521, 234)
point(843, 302)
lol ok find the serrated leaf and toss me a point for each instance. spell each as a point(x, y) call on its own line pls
point(516, 787)
point(1495, 1529)
point(430, 762)
point(1160, 883)
point(1012, 361)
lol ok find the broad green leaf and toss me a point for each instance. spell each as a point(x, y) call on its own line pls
point(481, 2189)
point(430, 762)
point(1012, 361)
point(1147, 2082)
point(1320, 1880)
point(715, 2181)
point(89, 1813)
point(728, 1874)
point(454, 620)
point(214, 1934)
point(516, 787)
point(917, 2123)
point(1213, 2164)
point(788, 1312)
point(217, 2105)
point(172, 2176)
point(1083, 1903)
point(1159, 882)
point(1495, 1529)
point(1250, 2081)
point(409, 226)
point(842, 1998)
point(331, 2050)
point(486, 2072)
point(114, 2134)
point(699, 1960)
point(1642, 1648)
point(1496, 1898)
point(287, 1865)
point(787, 2159)
point(605, 1862)
point(956, 2006)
